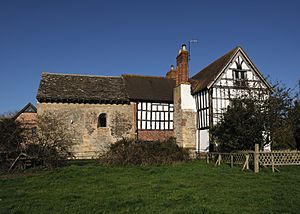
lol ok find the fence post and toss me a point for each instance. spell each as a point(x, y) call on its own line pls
point(272, 159)
point(256, 159)
point(218, 162)
point(207, 158)
point(247, 161)
point(231, 161)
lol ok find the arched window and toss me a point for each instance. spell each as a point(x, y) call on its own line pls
point(102, 120)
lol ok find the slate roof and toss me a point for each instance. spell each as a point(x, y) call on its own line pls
point(69, 88)
point(207, 75)
point(81, 88)
point(148, 88)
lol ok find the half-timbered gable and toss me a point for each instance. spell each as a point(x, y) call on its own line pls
point(232, 75)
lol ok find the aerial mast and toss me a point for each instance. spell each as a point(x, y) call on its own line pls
point(192, 41)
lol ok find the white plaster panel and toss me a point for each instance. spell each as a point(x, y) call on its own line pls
point(171, 115)
point(187, 100)
point(204, 140)
point(143, 115)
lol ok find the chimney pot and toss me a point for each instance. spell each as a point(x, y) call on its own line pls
point(172, 73)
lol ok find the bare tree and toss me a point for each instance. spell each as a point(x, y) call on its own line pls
point(11, 133)
point(53, 143)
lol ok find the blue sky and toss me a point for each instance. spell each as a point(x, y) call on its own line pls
point(139, 37)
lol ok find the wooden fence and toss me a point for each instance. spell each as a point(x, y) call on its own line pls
point(256, 159)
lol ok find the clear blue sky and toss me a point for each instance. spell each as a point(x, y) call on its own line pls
point(138, 37)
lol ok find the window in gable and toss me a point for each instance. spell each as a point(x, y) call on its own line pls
point(239, 74)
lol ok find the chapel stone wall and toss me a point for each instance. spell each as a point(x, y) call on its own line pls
point(82, 123)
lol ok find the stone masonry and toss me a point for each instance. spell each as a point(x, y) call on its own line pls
point(152, 135)
point(184, 122)
point(82, 123)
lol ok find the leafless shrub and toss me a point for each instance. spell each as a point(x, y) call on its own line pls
point(52, 145)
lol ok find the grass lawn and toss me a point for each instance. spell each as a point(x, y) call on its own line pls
point(188, 188)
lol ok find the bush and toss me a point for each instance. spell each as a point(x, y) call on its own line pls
point(240, 127)
point(259, 119)
point(137, 152)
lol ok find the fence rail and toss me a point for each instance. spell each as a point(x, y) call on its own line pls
point(256, 159)
point(86, 155)
point(239, 158)
point(279, 158)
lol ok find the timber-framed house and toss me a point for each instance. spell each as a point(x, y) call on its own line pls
point(231, 76)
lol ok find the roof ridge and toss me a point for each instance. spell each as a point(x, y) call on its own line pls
point(85, 75)
point(144, 76)
point(208, 74)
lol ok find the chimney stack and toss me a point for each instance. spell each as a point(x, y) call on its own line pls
point(182, 66)
point(172, 73)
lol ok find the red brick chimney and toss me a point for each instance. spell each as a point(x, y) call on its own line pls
point(182, 66)
point(172, 73)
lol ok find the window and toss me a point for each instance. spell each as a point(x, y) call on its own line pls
point(154, 116)
point(102, 120)
point(239, 73)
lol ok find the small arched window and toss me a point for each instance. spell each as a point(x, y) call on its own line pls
point(102, 120)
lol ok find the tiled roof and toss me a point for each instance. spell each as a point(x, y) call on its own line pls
point(207, 75)
point(100, 89)
point(149, 88)
point(81, 88)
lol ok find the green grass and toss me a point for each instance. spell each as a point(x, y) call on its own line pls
point(188, 188)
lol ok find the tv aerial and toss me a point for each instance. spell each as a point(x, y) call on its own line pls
point(192, 41)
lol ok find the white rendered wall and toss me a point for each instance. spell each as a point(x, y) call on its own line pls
point(187, 100)
point(188, 104)
point(203, 136)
